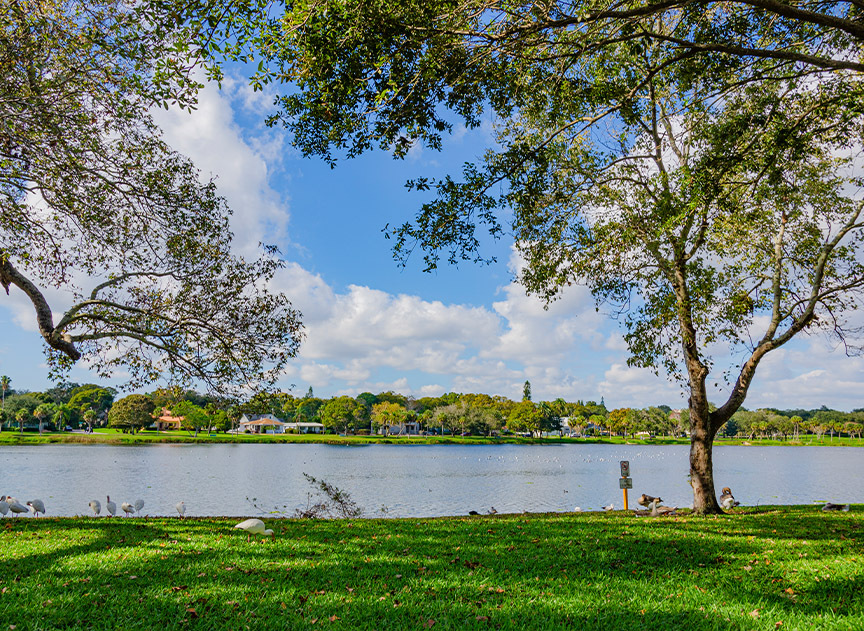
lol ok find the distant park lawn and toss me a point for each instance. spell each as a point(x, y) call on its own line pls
point(771, 568)
point(115, 436)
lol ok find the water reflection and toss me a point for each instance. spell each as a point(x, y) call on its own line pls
point(414, 480)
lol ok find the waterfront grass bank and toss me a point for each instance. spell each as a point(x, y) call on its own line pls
point(791, 567)
point(116, 437)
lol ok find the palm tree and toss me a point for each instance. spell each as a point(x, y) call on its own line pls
point(4, 385)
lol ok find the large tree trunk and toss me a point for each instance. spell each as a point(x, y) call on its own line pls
point(702, 465)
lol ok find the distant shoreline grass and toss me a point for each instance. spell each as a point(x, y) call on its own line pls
point(115, 437)
point(790, 567)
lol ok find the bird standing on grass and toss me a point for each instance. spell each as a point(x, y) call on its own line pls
point(110, 506)
point(127, 508)
point(726, 499)
point(254, 527)
point(16, 507)
point(96, 507)
point(37, 506)
point(609, 507)
point(4, 506)
point(181, 508)
point(139, 504)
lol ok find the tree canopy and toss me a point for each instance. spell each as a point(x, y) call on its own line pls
point(691, 162)
point(94, 202)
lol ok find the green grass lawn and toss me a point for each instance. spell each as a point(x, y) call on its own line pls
point(771, 568)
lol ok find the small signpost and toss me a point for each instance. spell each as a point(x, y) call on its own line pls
point(626, 482)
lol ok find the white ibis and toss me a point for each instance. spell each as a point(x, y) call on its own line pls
point(16, 507)
point(96, 507)
point(37, 506)
point(4, 506)
point(181, 508)
point(726, 499)
point(110, 506)
point(254, 527)
point(127, 508)
point(139, 504)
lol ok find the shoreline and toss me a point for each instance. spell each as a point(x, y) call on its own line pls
point(9, 437)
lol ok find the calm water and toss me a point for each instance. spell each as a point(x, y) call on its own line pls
point(414, 481)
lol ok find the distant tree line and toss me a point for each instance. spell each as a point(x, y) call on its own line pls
point(89, 405)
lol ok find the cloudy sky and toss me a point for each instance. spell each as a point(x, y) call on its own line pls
point(372, 326)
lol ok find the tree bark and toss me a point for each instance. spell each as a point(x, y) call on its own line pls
point(702, 464)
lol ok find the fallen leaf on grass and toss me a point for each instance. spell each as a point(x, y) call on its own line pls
point(483, 618)
point(179, 588)
point(778, 624)
point(191, 611)
point(429, 624)
point(334, 618)
point(754, 613)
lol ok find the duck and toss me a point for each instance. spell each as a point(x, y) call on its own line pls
point(645, 500)
point(829, 506)
point(127, 508)
point(726, 499)
point(96, 507)
point(37, 506)
point(181, 508)
point(254, 527)
point(4, 506)
point(139, 504)
point(659, 511)
point(110, 506)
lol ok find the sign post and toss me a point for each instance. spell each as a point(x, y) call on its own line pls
point(626, 482)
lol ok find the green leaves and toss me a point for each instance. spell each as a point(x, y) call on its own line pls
point(94, 202)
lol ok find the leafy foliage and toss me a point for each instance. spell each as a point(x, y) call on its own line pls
point(94, 202)
point(132, 412)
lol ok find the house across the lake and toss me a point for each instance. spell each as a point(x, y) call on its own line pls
point(167, 422)
point(262, 424)
point(304, 428)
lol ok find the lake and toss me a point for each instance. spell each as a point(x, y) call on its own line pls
point(414, 480)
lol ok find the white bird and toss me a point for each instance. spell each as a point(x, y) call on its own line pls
point(37, 506)
point(181, 508)
point(127, 508)
point(139, 504)
point(4, 506)
point(577, 509)
point(110, 506)
point(96, 507)
point(16, 507)
point(253, 527)
point(610, 507)
point(726, 499)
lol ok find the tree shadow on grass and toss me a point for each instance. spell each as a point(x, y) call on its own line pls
point(513, 571)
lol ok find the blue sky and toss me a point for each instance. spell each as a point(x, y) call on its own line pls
point(374, 326)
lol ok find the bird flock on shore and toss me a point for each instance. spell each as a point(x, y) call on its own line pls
point(9, 504)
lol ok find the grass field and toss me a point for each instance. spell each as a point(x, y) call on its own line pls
point(116, 437)
point(771, 568)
